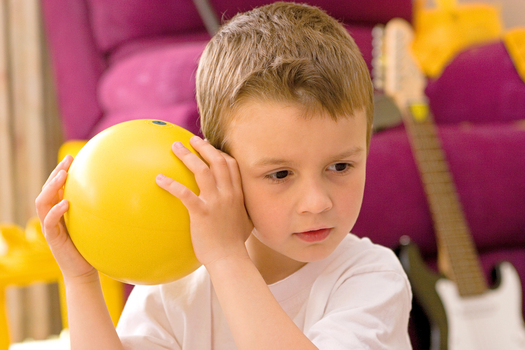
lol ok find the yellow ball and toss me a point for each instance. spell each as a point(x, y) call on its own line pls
point(120, 220)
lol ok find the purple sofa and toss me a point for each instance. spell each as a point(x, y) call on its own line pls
point(120, 60)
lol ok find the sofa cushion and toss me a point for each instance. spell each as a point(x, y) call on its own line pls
point(486, 161)
point(139, 46)
point(154, 78)
point(480, 85)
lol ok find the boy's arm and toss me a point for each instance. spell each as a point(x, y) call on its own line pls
point(255, 318)
point(219, 229)
point(90, 326)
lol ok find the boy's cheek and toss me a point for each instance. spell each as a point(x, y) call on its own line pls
point(260, 207)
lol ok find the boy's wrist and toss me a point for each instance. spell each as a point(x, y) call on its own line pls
point(86, 279)
point(234, 259)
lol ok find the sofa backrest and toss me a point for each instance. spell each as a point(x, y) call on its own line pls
point(117, 22)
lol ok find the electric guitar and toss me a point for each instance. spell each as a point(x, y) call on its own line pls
point(463, 312)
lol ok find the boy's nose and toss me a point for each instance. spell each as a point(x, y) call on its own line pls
point(314, 199)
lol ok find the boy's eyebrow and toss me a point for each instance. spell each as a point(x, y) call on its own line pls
point(283, 162)
point(271, 161)
point(349, 153)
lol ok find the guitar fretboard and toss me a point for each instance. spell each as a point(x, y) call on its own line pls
point(458, 258)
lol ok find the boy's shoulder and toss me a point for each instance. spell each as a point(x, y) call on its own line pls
point(360, 254)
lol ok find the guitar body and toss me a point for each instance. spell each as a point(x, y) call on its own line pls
point(489, 321)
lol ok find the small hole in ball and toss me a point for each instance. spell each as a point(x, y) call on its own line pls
point(159, 122)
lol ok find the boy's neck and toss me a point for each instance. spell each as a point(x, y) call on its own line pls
point(272, 266)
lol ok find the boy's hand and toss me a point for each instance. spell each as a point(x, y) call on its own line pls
point(219, 222)
point(50, 208)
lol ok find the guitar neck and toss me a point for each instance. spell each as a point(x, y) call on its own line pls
point(458, 259)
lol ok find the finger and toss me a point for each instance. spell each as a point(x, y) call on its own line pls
point(50, 194)
point(186, 196)
point(202, 172)
point(52, 221)
point(63, 165)
point(216, 160)
point(234, 171)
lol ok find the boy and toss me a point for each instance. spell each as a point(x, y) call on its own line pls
point(286, 104)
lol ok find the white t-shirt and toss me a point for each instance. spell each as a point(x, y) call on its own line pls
point(357, 298)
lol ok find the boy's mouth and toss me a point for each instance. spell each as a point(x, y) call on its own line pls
point(314, 236)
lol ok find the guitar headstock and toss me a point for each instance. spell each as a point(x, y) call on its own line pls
point(403, 80)
point(378, 57)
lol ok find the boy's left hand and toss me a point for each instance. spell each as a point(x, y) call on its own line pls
point(219, 222)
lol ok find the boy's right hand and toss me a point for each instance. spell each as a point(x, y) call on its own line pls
point(50, 208)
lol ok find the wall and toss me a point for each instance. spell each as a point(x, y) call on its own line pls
point(512, 11)
point(29, 140)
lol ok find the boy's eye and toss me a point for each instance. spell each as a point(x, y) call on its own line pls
point(339, 167)
point(279, 175)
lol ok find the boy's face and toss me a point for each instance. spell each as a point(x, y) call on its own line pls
point(303, 179)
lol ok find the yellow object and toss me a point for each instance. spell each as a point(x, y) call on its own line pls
point(419, 111)
point(28, 260)
point(442, 32)
point(515, 43)
point(120, 220)
point(71, 147)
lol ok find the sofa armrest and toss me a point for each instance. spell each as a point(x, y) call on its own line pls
point(76, 63)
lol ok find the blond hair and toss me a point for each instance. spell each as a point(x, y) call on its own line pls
point(282, 52)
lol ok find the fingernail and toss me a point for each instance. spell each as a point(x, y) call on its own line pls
point(67, 156)
point(160, 177)
point(178, 144)
point(195, 138)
